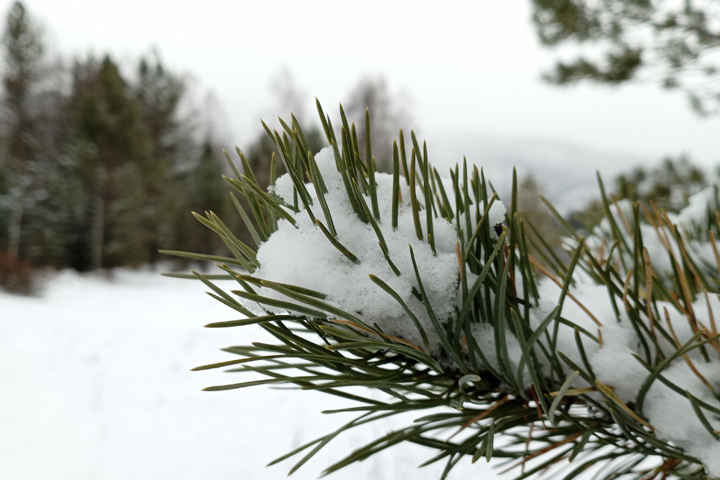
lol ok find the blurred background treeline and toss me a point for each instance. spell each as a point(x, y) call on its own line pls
point(100, 166)
point(102, 161)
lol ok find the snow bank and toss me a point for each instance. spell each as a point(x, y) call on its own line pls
point(95, 384)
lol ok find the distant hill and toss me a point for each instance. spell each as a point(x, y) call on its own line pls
point(564, 170)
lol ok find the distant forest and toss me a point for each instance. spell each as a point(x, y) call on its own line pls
point(100, 168)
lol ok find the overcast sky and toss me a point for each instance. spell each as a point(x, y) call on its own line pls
point(468, 66)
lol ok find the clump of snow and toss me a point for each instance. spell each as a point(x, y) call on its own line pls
point(549, 294)
point(692, 221)
point(698, 208)
point(602, 237)
point(484, 336)
point(303, 256)
point(672, 415)
point(614, 364)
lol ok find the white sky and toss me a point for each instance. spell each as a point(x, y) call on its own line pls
point(470, 66)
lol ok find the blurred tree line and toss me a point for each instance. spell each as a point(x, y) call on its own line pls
point(99, 169)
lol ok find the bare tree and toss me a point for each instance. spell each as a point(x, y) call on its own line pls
point(386, 113)
point(288, 96)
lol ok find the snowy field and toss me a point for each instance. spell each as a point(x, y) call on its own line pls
point(95, 384)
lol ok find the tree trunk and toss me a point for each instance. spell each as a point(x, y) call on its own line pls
point(15, 224)
point(98, 221)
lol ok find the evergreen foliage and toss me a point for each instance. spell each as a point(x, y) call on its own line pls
point(668, 186)
point(117, 153)
point(210, 194)
point(524, 391)
point(675, 43)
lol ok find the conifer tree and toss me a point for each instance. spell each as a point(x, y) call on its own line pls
point(388, 117)
point(116, 154)
point(23, 55)
point(211, 194)
point(173, 145)
point(98, 174)
point(542, 227)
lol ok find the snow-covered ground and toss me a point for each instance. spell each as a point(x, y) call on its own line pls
point(95, 384)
